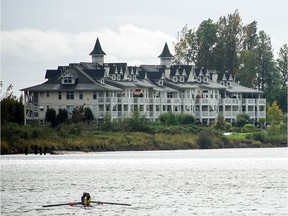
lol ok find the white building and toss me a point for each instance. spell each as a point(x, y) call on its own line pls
point(117, 88)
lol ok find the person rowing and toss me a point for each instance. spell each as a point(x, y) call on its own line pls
point(86, 199)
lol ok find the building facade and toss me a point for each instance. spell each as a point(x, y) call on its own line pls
point(118, 89)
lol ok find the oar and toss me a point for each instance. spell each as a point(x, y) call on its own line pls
point(62, 204)
point(110, 203)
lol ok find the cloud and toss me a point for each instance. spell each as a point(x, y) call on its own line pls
point(128, 44)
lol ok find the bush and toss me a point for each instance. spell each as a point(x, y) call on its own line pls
point(259, 136)
point(248, 128)
point(209, 139)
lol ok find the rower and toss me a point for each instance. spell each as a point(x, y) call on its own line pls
point(86, 199)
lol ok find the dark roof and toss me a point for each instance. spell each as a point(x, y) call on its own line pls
point(97, 49)
point(165, 53)
point(52, 73)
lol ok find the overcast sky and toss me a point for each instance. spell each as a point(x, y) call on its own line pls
point(37, 35)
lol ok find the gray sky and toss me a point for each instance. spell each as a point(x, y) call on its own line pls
point(41, 34)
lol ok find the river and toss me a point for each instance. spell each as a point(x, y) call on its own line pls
point(189, 182)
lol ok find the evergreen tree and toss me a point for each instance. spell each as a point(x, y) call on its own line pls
point(230, 30)
point(265, 67)
point(50, 117)
point(62, 116)
point(12, 109)
point(88, 115)
point(206, 37)
point(282, 64)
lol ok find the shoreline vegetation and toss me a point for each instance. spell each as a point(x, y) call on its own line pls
point(82, 137)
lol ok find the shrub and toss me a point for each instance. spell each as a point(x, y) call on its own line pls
point(248, 128)
point(209, 139)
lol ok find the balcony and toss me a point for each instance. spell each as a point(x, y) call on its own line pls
point(229, 101)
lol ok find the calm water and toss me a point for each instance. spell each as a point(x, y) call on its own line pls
point(190, 182)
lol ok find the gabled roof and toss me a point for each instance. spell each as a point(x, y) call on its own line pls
point(237, 88)
point(97, 49)
point(165, 53)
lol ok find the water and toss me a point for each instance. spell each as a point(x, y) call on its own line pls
point(190, 182)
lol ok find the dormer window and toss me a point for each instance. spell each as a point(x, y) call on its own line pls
point(113, 77)
point(175, 79)
point(67, 80)
point(134, 77)
point(102, 81)
point(118, 77)
point(222, 83)
point(68, 77)
point(198, 79)
point(160, 82)
point(205, 79)
point(182, 79)
point(228, 83)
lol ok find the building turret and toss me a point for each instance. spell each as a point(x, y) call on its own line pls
point(166, 57)
point(97, 53)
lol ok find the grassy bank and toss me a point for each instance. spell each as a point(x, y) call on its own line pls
point(17, 139)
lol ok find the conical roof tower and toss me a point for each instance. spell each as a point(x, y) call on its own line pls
point(97, 53)
point(166, 57)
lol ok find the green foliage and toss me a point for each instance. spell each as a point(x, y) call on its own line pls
point(274, 113)
point(220, 124)
point(242, 119)
point(248, 128)
point(12, 109)
point(106, 125)
point(88, 115)
point(62, 116)
point(208, 139)
point(170, 119)
point(185, 119)
point(77, 114)
point(50, 117)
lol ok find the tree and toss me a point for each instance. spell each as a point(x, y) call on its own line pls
point(50, 117)
point(62, 116)
point(206, 37)
point(265, 67)
point(185, 47)
point(12, 109)
point(88, 115)
point(242, 119)
point(77, 114)
point(274, 113)
point(220, 124)
point(282, 64)
point(246, 72)
point(230, 30)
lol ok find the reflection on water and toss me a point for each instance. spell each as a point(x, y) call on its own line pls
point(190, 182)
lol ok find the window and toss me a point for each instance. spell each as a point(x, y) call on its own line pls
point(59, 95)
point(70, 95)
point(80, 95)
point(94, 95)
point(181, 79)
point(47, 94)
point(67, 80)
point(175, 79)
point(41, 94)
point(41, 108)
